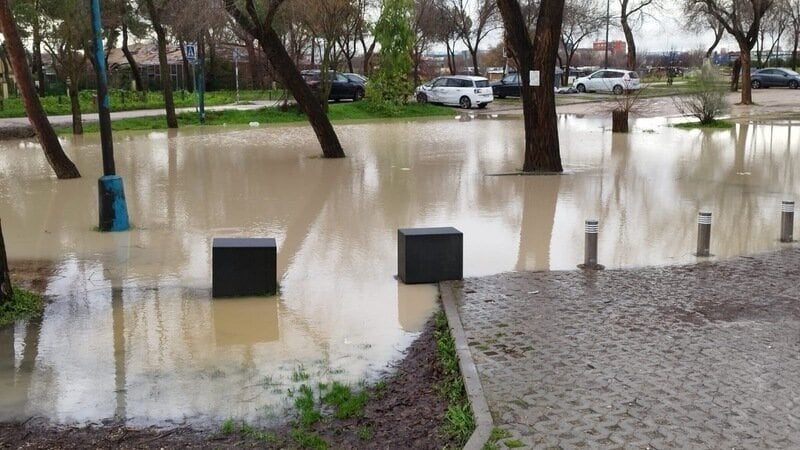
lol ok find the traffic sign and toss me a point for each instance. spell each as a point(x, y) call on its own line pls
point(191, 51)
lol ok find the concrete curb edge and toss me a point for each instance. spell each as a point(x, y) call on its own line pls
point(472, 382)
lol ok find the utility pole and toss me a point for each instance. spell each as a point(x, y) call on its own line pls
point(608, 19)
point(111, 194)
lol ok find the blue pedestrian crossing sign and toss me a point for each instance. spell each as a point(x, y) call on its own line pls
point(191, 51)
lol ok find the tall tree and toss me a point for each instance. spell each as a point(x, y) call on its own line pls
point(631, 13)
point(794, 14)
point(6, 291)
point(542, 151)
point(61, 164)
point(389, 85)
point(424, 28)
point(742, 20)
point(475, 19)
point(156, 9)
point(581, 19)
point(260, 26)
point(66, 36)
point(698, 20)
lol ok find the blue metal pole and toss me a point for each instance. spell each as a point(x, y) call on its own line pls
point(111, 194)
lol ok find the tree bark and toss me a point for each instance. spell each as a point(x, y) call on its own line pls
point(166, 79)
point(137, 76)
point(282, 64)
point(38, 68)
point(187, 68)
point(735, 71)
point(619, 121)
point(75, 108)
point(61, 164)
point(542, 151)
point(629, 40)
point(6, 291)
point(747, 91)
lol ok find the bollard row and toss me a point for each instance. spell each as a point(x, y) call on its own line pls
point(703, 235)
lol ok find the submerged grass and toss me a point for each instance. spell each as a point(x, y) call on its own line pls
point(23, 304)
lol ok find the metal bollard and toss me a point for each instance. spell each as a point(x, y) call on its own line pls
point(787, 221)
point(703, 234)
point(590, 254)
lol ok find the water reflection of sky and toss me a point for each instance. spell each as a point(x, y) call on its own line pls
point(132, 330)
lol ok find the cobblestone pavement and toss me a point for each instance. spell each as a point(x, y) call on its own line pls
point(700, 356)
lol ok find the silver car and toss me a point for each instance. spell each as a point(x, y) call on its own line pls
point(608, 80)
point(462, 90)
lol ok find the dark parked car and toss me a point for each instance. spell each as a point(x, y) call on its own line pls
point(341, 86)
point(774, 77)
point(507, 87)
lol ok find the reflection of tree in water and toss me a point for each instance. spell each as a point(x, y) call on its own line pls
point(539, 200)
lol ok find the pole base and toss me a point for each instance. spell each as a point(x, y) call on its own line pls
point(112, 207)
point(591, 266)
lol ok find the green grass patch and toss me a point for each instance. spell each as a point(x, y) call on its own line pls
point(365, 433)
point(714, 125)
point(460, 422)
point(513, 443)
point(23, 304)
point(267, 115)
point(346, 403)
point(300, 374)
point(308, 411)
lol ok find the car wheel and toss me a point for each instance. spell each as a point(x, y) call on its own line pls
point(358, 95)
point(618, 90)
point(581, 88)
point(793, 84)
point(755, 84)
point(482, 105)
point(464, 102)
point(422, 98)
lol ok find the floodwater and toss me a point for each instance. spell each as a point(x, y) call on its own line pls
point(132, 331)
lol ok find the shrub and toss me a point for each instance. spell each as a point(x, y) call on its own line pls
point(709, 101)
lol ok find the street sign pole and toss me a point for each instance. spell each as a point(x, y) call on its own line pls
point(236, 70)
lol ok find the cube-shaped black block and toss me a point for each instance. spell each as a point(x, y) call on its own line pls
point(243, 267)
point(429, 255)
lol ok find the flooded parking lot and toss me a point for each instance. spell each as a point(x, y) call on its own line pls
point(132, 330)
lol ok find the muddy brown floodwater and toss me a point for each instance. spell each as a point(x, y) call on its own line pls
point(131, 331)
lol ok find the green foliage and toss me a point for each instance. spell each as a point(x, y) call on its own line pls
point(346, 403)
point(309, 413)
point(513, 443)
point(228, 426)
point(389, 86)
point(459, 419)
point(300, 374)
point(23, 304)
point(364, 433)
point(308, 439)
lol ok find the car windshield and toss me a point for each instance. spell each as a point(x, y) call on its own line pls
point(481, 83)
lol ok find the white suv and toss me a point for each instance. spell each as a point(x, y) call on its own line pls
point(609, 80)
point(462, 90)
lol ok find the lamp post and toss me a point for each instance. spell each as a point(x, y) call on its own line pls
point(111, 195)
point(608, 19)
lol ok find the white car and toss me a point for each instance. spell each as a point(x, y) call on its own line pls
point(608, 80)
point(462, 90)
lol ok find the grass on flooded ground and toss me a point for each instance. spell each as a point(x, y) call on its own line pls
point(23, 304)
point(716, 124)
point(329, 401)
point(123, 100)
point(269, 115)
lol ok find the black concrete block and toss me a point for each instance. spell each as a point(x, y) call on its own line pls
point(429, 255)
point(243, 267)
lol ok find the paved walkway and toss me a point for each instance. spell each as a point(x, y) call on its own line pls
point(700, 356)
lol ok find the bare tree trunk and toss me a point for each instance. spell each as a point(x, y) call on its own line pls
point(718, 33)
point(735, 71)
point(794, 49)
point(368, 52)
point(542, 152)
point(137, 76)
point(254, 63)
point(75, 107)
point(619, 121)
point(38, 67)
point(747, 91)
point(474, 54)
point(166, 78)
point(187, 68)
point(626, 29)
point(6, 291)
point(61, 164)
point(282, 63)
